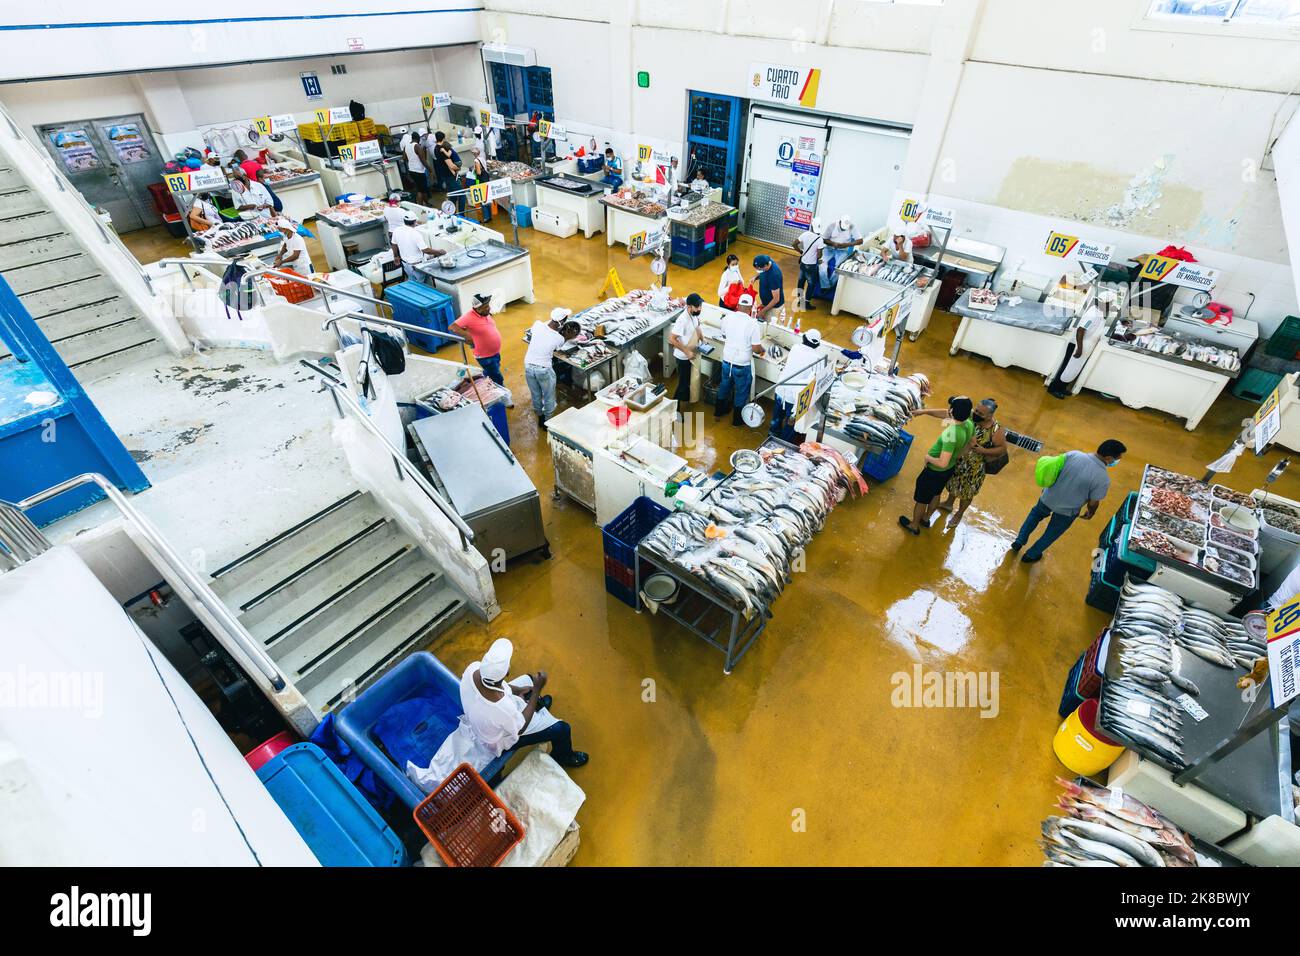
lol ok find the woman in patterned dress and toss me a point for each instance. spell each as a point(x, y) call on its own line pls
point(988, 443)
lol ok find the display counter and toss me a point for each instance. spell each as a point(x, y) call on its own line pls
point(1143, 379)
point(1288, 435)
point(300, 191)
point(568, 193)
point(866, 295)
point(347, 224)
point(577, 435)
point(622, 223)
point(523, 179)
point(376, 178)
point(492, 267)
point(1024, 335)
point(978, 261)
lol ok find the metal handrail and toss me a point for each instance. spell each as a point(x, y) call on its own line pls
point(196, 585)
point(405, 469)
point(334, 320)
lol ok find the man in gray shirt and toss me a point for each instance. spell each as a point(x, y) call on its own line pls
point(1080, 486)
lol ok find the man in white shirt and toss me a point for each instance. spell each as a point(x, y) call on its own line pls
point(409, 248)
point(250, 196)
point(506, 715)
point(394, 215)
point(809, 245)
point(741, 338)
point(684, 340)
point(801, 365)
point(293, 254)
point(843, 234)
point(416, 168)
point(539, 372)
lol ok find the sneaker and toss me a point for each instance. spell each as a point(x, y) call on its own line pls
point(1016, 546)
point(575, 759)
point(1030, 558)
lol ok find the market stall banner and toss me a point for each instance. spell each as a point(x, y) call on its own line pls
point(481, 193)
point(432, 101)
point(645, 240)
point(551, 130)
point(808, 396)
point(795, 85)
point(1176, 272)
point(205, 177)
point(805, 177)
point(360, 152)
point(1283, 649)
point(1064, 246)
point(915, 210)
point(1268, 421)
point(266, 125)
point(332, 115)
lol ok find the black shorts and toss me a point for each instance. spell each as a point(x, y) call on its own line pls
point(420, 180)
point(930, 484)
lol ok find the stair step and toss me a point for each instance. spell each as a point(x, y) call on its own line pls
point(275, 567)
point(70, 296)
point(80, 349)
point(20, 202)
point(26, 252)
point(411, 621)
point(64, 325)
point(113, 362)
point(342, 573)
point(29, 227)
point(52, 275)
point(296, 648)
point(12, 179)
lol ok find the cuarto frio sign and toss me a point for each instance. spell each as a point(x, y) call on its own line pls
point(781, 83)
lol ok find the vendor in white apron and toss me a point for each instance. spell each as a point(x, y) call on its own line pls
point(801, 365)
point(505, 715)
point(1086, 336)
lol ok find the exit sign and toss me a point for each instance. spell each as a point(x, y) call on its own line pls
point(643, 79)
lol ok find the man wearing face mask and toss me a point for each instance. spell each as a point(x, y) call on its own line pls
point(685, 339)
point(1081, 485)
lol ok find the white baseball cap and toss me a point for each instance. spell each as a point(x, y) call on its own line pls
point(816, 225)
point(746, 299)
point(559, 314)
point(845, 222)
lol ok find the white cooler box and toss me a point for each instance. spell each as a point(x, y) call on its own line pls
point(557, 222)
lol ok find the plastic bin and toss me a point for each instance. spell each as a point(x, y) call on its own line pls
point(1285, 342)
point(887, 464)
point(331, 816)
point(1081, 746)
point(466, 823)
point(621, 537)
point(1256, 384)
point(497, 416)
point(523, 216)
point(259, 755)
point(418, 304)
point(420, 677)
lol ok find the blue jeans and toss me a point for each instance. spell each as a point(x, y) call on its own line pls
point(559, 735)
point(782, 419)
point(733, 390)
point(491, 367)
point(1057, 525)
point(541, 385)
point(808, 277)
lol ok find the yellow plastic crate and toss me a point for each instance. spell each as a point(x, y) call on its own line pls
point(309, 131)
point(366, 127)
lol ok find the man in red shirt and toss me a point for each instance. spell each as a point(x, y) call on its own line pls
point(477, 324)
point(251, 166)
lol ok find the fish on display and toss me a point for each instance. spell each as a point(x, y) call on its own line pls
point(1103, 827)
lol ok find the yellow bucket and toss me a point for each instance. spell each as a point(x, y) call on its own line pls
point(1080, 746)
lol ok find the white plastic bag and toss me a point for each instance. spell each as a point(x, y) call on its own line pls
point(635, 365)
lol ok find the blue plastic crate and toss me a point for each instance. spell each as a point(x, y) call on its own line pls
point(523, 216)
point(621, 537)
point(330, 815)
point(418, 304)
point(687, 246)
point(497, 415)
point(887, 464)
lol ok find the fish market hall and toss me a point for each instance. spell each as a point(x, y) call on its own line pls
point(510, 437)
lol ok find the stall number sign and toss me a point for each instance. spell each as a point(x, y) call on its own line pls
point(914, 210)
point(796, 85)
point(1268, 421)
point(481, 193)
point(335, 114)
point(496, 121)
point(360, 152)
point(1283, 650)
point(644, 240)
point(205, 177)
point(1176, 272)
point(815, 389)
point(432, 101)
point(1064, 246)
point(551, 130)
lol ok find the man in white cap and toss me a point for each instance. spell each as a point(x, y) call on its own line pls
point(809, 245)
point(539, 371)
point(505, 715)
point(843, 234)
point(292, 254)
point(409, 247)
point(741, 341)
point(804, 361)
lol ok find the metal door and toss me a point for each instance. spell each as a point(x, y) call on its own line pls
point(864, 165)
point(774, 137)
point(111, 162)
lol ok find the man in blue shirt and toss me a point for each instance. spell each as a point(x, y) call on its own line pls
point(771, 286)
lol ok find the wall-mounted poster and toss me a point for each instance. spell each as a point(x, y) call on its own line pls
point(128, 143)
point(805, 177)
point(74, 149)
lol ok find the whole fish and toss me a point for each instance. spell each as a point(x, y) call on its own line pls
point(1095, 849)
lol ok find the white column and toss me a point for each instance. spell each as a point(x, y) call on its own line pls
point(165, 103)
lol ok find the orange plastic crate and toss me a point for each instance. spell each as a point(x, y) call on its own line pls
point(466, 822)
point(290, 290)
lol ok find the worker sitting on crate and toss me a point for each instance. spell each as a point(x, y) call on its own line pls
point(409, 248)
point(292, 255)
point(507, 715)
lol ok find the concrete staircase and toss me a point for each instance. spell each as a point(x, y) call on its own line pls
point(338, 599)
point(81, 310)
